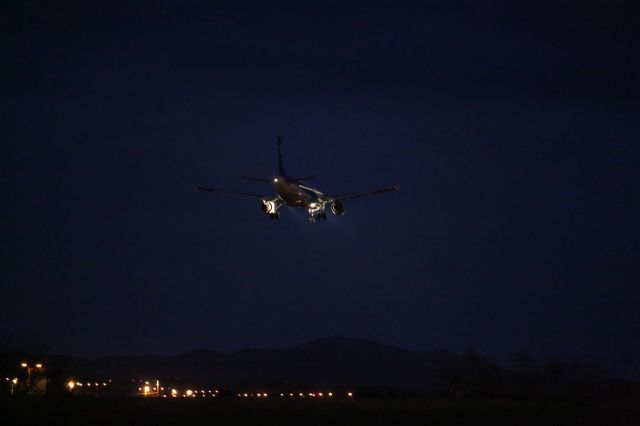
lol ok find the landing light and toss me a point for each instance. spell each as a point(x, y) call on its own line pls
point(275, 180)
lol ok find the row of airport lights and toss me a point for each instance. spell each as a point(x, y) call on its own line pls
point(294, 395)
point(149, 390)
point(72, 384)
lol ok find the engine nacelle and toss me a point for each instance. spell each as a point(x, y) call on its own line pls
point(337, 208)
point(269, 207)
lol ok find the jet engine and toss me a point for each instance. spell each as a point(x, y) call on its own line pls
point(337, 208)
point(269, 207)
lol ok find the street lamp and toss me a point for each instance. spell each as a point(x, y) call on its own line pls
point(30, 368)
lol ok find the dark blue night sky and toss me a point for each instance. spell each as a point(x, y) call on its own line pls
point(512, 129)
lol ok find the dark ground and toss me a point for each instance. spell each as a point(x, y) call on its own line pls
point(373, 411)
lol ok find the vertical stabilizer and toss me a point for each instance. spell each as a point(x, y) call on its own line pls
point(280, 165)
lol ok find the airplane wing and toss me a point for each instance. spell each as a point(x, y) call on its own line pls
point(362, 194)
point(234, 193)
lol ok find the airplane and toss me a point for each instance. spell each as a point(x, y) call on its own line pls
point(295, 192)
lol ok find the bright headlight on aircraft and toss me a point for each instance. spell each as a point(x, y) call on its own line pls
point(275, 180)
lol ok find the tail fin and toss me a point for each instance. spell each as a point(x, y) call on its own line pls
point(280, 165)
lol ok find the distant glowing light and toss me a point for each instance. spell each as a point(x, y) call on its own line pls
point(23, 365)
point(146, 390)
point(275, 180)
point(350, 394)
point(189, 392)
point(15, 381)
point(330, 394)
point(174, 392)
point(71, 385)
point(38, 365)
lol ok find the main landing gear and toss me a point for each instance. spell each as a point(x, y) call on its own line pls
point(316, 217)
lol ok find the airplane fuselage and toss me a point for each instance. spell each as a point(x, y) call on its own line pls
point(295, 195)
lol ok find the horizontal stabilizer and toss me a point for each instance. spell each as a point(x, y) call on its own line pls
point(299, 179)
point(257, 179)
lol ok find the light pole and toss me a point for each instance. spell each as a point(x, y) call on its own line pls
point(30, 368)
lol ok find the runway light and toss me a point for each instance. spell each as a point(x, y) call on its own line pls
point(349, 394)
point(23, 365)
point(330, 394)
point(38, 365)
point(174, 392)
point(15, 381)
point(320, 394)
point(71, 385)
point(189, 392)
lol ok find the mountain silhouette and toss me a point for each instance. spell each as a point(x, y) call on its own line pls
point(328, 361)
